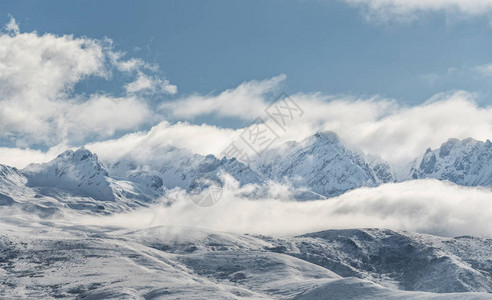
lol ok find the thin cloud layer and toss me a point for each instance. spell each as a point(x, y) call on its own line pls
point(409, 10)
point(21, 157)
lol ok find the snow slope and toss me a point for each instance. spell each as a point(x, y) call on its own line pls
point(49, 259)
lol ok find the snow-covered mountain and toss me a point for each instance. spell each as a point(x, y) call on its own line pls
point(79, 180)
point(10, 177)
point(78, 172)
point(47, 252)
point(317, 167)
point(323, 164)
point(173, 167)
point(465, 162)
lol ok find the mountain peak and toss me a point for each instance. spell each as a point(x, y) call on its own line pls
point(326, 136)
point(465, 162)
point(320, 162)
point(78, 171)
point(79, 155)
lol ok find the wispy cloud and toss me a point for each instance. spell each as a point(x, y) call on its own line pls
point(485, 70)
point(245, 101)
point(409, 10)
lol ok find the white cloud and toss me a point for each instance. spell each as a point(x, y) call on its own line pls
point(37, 105)
point(485, 70)
point(401, 133)
point(245, 101)
point(130, 65)
point(102, 116)
point(12, 26)
point(147, 84)
point(42, 66)
point(149, 146)
point(408, 10)
point(375, 125)
point(37, 78)
point(427, 206)
point(19, 158)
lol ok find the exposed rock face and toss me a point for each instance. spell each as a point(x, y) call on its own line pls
point(467, 162)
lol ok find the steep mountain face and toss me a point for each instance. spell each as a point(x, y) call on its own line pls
point(467, 162)
point(180, 168)
point(321, 163)
point(78, 172)
point(11, 177)
point(382, 170)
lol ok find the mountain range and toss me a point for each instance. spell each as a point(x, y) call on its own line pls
point(318, 167)
point(47, 250)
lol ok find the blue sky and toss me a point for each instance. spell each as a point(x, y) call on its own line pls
point(325, 46)
point(390, 77)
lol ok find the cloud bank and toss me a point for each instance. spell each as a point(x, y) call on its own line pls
point(426, 206)
point(375, 125)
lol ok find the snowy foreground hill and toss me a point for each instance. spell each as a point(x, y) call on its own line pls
point(48, 249)
point(47, 259)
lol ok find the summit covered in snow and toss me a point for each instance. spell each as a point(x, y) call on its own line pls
point(321, 166)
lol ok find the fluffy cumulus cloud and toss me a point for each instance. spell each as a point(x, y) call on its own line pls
point(427, 206)
point(408, 10)
point(38, 73)
point(401, 133)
